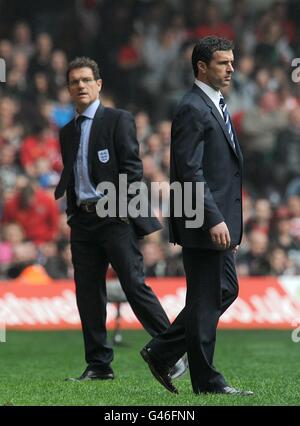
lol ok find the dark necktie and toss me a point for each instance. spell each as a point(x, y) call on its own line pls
point(68, 168)
point(227, 120)
point(78, 122)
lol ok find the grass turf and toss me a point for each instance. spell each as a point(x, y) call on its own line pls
point(34, 365)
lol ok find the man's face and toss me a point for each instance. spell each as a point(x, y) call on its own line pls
point(218, 72)
point(83, 87)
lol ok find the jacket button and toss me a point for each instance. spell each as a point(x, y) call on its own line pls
point(237, 174)
point(237, 200)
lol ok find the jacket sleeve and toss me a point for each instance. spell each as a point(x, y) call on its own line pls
point(188, 150)
point(61, 144)
point(130, 164)
point(127, 148)
point(70, 193)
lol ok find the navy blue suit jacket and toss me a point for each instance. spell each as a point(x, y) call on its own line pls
point(201, 152)
point(113, 131)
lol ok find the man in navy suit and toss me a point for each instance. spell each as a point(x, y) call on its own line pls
point(97, 146)
point(204, 149)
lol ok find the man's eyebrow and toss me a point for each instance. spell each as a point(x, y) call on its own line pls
point(224, 61)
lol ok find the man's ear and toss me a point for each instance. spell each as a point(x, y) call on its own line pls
point(99, 83)
point(202, 67)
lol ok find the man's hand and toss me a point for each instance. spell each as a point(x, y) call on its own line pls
point(220, 235)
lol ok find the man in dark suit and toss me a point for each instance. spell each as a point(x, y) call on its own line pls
point(97, 146)
point(204, 149)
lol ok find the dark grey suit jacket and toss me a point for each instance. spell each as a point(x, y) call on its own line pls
point(201, 152)
point(112, 130)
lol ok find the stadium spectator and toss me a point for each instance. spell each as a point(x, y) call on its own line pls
point(255, 261)
point(261, 219)
point(59, 64)
point(130, 63)
point(154, 260)
point(6, 52)
point(174, 260)
point(59, 265)
point(272, 47)
point(41, 61)
point(35, 211)
point(281, 232)
point(62, 110)
point(18, 81)
point(22, 39)
point(159, 52)
point(9, 168)
point(40, 143)
point(214, 24)
point(24, 254)
point(261, 126)
point(143, 127)
point(287, 151)
point(241, 97)
point(44, 173)
point(11, 235)
point(10, 124)
point(280, 264)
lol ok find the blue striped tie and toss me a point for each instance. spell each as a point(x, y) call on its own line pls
point(227, 120)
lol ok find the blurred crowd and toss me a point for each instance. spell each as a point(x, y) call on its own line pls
point(144, 52)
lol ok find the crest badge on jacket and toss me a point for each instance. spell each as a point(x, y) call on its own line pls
point(103, 155)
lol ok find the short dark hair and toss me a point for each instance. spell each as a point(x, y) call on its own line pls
point(81, 62)
point(205, 48)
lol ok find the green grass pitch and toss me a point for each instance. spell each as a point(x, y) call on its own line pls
point(34, 365)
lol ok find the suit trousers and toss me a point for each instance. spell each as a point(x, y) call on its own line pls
point(96, 242)
point(212, 286)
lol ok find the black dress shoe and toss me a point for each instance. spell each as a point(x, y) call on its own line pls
point(228, 390)
point(93, 374)
point(160, 372)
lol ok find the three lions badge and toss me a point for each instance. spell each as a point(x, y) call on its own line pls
point(103, 155)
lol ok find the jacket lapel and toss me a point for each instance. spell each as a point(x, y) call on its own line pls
point(237, 145)
point(73, 142)
point(94, 135)
point(217, 116)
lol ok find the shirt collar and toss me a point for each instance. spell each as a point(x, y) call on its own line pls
point(90, 111)
point(212, 93)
